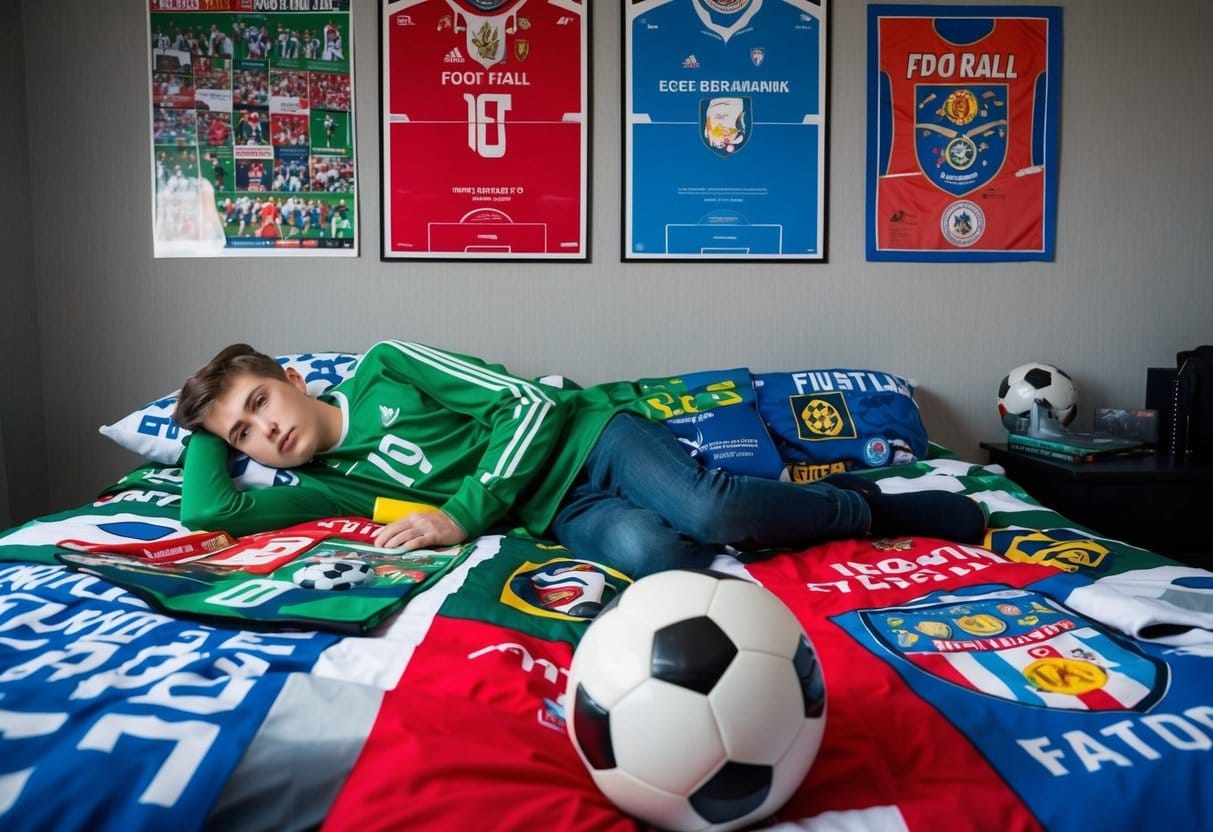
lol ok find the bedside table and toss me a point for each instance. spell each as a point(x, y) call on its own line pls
point(1148, 500)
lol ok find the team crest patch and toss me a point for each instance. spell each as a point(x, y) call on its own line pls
point(822, 416)
point(963, 223)
point(1021, 646)
point(485, 40)
point(388, 415)
point(876, 452)
point(1062, 549)
point(573, 590)
point(725, 123)
point(961, 135)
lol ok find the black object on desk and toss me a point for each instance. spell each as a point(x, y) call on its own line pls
point(1149, 500)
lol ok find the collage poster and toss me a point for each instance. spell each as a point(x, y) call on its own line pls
point(485, 129)
point(725, 134)
point(252, 121)
point(963, 123)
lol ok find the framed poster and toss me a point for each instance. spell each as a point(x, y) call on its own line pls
point(963, 121)
point(252, 128)
point(725, 129)
point(485, 119)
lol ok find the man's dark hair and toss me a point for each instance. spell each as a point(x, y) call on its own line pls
point(211, 379)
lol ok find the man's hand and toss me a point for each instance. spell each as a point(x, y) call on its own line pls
point(421, 530)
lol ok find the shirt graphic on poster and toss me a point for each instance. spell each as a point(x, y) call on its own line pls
point(961, 129)
point(486, 131)
point(725, 113)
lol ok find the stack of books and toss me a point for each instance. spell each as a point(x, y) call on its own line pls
point(1073, 447)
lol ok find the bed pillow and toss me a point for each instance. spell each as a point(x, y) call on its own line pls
point(151, 432)
point(714, 414)
point(826, 421)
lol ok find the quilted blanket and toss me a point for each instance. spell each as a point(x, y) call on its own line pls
point(1048, 679)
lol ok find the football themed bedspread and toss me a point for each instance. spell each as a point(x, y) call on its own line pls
point(1049, 679)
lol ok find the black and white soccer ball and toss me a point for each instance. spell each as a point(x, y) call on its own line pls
point(1035, 382)
point(333, 574)
point(696, 701)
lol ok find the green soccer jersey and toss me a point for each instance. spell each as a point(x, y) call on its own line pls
point(427, 425)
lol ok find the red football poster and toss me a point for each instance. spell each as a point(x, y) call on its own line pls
point(485, 129)
point(963, 131)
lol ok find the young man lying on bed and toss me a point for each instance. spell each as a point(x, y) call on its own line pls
point(492, 450)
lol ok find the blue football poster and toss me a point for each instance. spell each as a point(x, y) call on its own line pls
point(725, 129)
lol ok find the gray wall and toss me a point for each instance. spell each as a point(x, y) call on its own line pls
point(23, 461)
point(1130, 285)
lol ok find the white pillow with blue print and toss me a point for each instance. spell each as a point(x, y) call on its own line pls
point(151, 432)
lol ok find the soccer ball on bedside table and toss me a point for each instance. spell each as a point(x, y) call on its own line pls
point(696, 701)
point(1036, 383)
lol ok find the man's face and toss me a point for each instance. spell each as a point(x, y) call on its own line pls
point(272, 420)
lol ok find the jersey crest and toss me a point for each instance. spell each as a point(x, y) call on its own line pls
point(960, 135)
point(725, 123)
point(1018, 645)
point(485, 35)
point(563, 588)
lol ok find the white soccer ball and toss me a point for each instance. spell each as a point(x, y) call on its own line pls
point(696, 701)
point(333, 574)
point(1035, 382)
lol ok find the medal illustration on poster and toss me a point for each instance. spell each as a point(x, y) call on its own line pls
point(484, 118)
point(963, 121)
point(252, 128)
point(725, 135)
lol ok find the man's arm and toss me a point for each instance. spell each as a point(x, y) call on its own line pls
point(210, 501)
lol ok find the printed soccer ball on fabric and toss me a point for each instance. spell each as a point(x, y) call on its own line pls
point(1035, 382)
point(696, 701)
point(333, 574)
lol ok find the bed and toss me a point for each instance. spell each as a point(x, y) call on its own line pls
point(146, 683)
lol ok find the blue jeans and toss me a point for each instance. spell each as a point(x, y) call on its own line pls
point(642, 505)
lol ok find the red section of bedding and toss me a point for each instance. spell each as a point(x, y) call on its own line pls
point(884, 745)
point(468, 740)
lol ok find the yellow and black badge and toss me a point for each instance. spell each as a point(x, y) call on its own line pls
point(1062, 549)
point(822, 416)
point(1057, 674)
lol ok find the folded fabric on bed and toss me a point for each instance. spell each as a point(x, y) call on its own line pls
point(323, 575)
